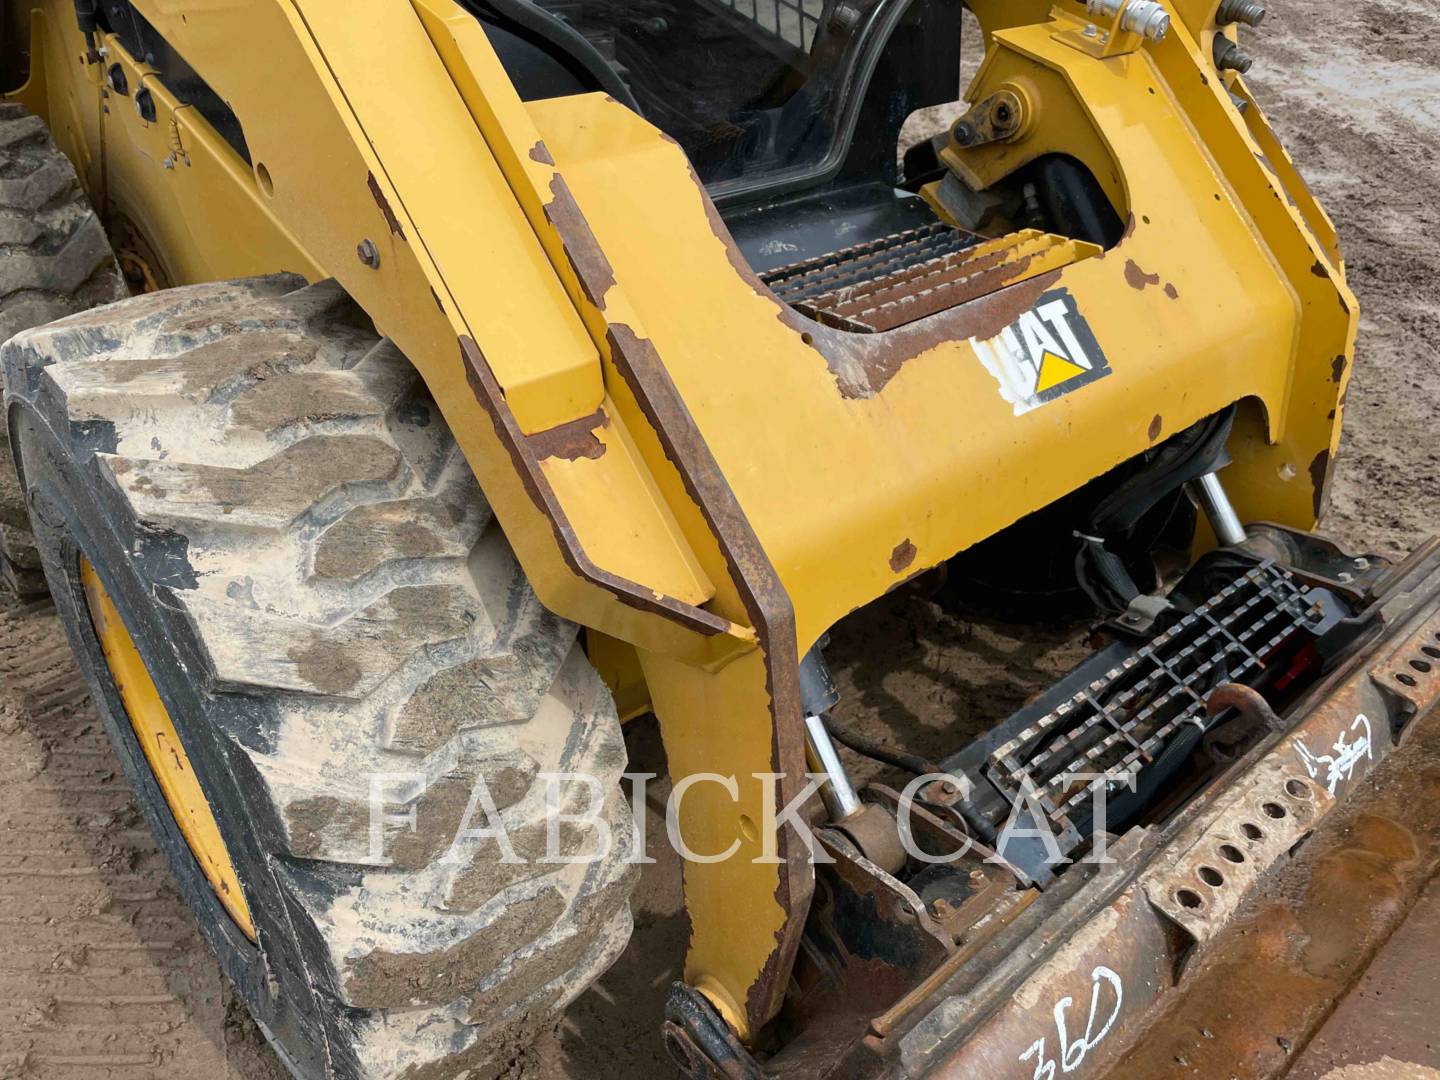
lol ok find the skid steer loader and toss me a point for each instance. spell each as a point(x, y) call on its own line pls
point(399, 395)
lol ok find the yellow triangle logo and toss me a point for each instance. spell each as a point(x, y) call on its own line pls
point(1055, 370)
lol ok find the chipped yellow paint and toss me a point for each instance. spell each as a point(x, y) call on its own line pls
point(614, 502)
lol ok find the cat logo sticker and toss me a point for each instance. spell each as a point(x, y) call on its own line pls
point(1044, 354)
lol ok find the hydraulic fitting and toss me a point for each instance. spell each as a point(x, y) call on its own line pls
point(1249, 12)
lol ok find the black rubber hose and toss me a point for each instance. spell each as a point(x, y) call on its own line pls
point(1103, 576)
point(1184, 456)
point(911, 763)
point(538, 22)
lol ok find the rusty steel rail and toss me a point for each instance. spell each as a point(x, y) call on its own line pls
point(1080, 978)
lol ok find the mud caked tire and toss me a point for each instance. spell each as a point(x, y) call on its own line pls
point(319, 590)
point(54, 260)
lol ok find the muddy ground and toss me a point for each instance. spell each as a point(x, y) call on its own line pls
point(102, 974)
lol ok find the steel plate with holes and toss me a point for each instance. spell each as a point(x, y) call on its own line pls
point(1200, 887)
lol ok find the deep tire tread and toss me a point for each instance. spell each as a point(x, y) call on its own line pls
point(358, 611)
point(54, 260)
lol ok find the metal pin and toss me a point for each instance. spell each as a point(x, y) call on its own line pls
point(1210, 494)
point(1231, 57)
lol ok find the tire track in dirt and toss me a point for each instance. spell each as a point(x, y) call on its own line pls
point(103, 975)
point(1353, 91)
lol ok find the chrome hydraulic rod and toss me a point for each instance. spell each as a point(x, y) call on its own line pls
point(1210, 494)
point(837, 791)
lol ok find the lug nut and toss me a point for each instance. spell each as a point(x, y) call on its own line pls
point(1231, 57)
point(1249, 12)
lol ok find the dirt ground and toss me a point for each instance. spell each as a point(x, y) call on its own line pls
point(102, 974)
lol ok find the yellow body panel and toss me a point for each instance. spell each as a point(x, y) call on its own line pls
point(704, 478)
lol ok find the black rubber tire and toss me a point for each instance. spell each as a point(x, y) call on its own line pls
point(54, 261)
point(322, 595)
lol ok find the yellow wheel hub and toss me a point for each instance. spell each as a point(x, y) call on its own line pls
point(163, 749)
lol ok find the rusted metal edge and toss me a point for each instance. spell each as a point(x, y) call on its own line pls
point(527, 466)
point(761, 590)
point(1071, 990)
point(771, 613)
point(571, 440)
point(586, 257)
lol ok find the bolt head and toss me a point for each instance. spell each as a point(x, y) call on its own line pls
point(844, 19)
point(368, 253)
point(964, 132)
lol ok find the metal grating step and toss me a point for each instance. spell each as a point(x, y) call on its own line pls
point(897, 279)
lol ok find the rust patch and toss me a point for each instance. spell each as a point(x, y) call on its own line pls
point(384, 204)
point(1319, 269)
point(1337, 369)
point(488, 393)
point(1319, 477)
point(856, 309)
point(1275, 977)
point(572, 440)
point(863, 364)
point(1172, 292)
point(1137, 278)
point(592, 269)
point(541, 153)
point(902, 556)
point(1155, 426)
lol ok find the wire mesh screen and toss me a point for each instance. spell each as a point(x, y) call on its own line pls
point(794, 22)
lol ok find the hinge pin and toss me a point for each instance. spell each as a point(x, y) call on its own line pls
point(1144, 17)
point(1231, 57)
